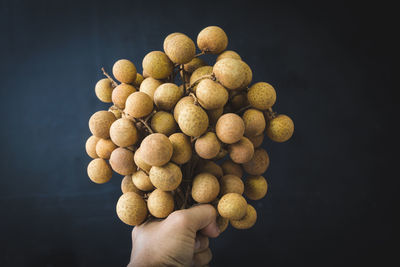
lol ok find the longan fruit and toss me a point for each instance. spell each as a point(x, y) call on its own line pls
point(91, 146)
point(214, 114)
point(222, 223)
point(160, 203)
point(103, 90)
point(163, 122)
point(140, 162)
point(104, 147)
point(192, 120)
point(230, 73)
point(221, 154)
point(179, 48)
point(124, 71)
point(207, 146)
point(158, 65)
point(231, 184)
point(167, 177)
point(257, 140)
point(121, 161)
point(181, 103)
point(261, 95)
point(138, 81)
point(248, 75)
point(167, 95)
point(232, 206)
point(99, 171)
point(138, 105)
point(239, 100)
point(100, 123)
point(131, 208)
point(254, 122)
point(156, 149)
point(198, 75)
point(280, 128)
point(128, 186)
point(209, 167)
point(230, 167)
point(230, 128)
point(242, 151)
point(182, 148)
point(142, 181)
point(229, 54)
point(211, 95)
point(117, 112)
point(205, 188)
point(124, 133)
point(247, 221)
point(212, 40)
point(255, 187)
point(258, 164)
point(121, 93)
point(149, 86)
point(194, 64)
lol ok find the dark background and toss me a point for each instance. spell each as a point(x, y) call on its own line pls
point(332, 186)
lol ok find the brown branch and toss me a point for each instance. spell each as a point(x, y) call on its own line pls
point(200, 54)
point(208, 76)
point(196, 101)
point(146, 125)
point(243, 108)
point(114, 83)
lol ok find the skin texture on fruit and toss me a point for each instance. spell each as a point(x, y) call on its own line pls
point(179, 48)
point(128, 186)
point(103, 90)
point(205, 188)
point(193, 120)
point(121, 161)
point(255, 187)
point(100, 123)
point(182, 149)
point(157, 65)
point(142, 181)
point(229, 54)
point(160, 203)
point(131, 209)
point(121, 93)
point(247, 221)
point(280, 129)
point(211, 95)
point(167, 177)
point(230, 128)
point(99, 171)
point(124, 133)
point(259, 162)
point(212, 39)
point(104, 147)
point(138, 105)
point(230, 73)
point(261, 95)
point(91, 146)
point(164, 122)
point(167, 95)
point(156, 149)
point(242, 151)
point(229, 167)
point(207, 146)
point(149, 86)
point(231, 184)
point(124, 71)
point(232, 206)
point(254, 122)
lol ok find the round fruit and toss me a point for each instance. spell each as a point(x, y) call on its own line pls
point(255, 187)
point(207, 146)
point(124, 71)
point(231, 184)
point(181, 103)
point(156, 149)
point(91, 146)
point(103, 90)
point(138, 105)
point(182, 149)
point(212, 40)
point(140, 162)
point(258, 164)
point(230, 128)
point(248, 75)
point(131, 209)
point(104, 147)
point(122, 162)
point(149, 86)
point(280, 128)
point(261, 95)
point(247, 221)
point(179, 48)
point(229, 167)
point(230, 73)
point(232, 206)
point(142, 181)
point(167, 95)
point(254, 122)
point(194, 64)
point(128, 186)
point(99, 171)
point(117, 112)
point(163, 122)
point(257, 140)
point(160, 203)
point(211, 95)
point(205, 188)
point(100, 123)
point(239, 100)
point(242, 151)
point(209, 167)
point(138, 81)
point(192, 120)
point(222, 223)
point(121, 93)
point(167, 177)
point(228, 54)
point(157, 65)
point(123, 133)
point(213, 115)
point(198, 75)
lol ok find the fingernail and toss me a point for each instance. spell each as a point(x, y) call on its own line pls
point(197, 244)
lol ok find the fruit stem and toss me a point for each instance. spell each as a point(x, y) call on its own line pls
point(196, 101)
point(243, 108)
point(114, 83)
point(200, 54)
point(146, 125)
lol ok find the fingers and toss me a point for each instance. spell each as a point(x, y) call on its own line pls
point(203, 217)
point(202, 258)
point(201, 243)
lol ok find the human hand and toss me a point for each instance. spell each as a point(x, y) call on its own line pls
point(179, 240)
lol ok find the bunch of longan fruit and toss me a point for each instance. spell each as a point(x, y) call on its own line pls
point(185, 132)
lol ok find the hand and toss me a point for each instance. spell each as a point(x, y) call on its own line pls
point(179, 240)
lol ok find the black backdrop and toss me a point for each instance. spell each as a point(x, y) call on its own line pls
point(332, 192)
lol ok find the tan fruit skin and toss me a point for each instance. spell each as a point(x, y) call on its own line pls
point(121, 93)
point(210, 167)
point(232, 206)
point(138, 105)
point(99, 171)
point(239, 101)
point(124, 71)
point(128, 186)
point(142, 181)
point(205, 188)
point(149, 86)
point(181, 103)
point(212, 39)
point(157, 65)
point(121, 161)
point(100, 123)
point(116, 112)
point(160, 203)
point(222, 223)
point(104, 148)
point(179, 48)
point(261, 96)
point(229, 167)
point(193, 120)
point(254, 122)
point(211, 95)
point(242, 151)
point(167, 95)
point(247, 221)
point(198, 74)
point(280, 129)
point(231, 184)
point(248, 75)
point(207, 146)
point(164, 122)
point(182, 149)
point(230, 128)
point(123, 132)
point(140, 163)
point(138, 81)
point(156, 149)
point(258, 164)
point(103, 90)
point(257, 140)
point(230, 73)
point(194, 64)
point(131, 209)
point(91, 146)
point(167, 177)
point(256, 187)
point(229, 54)
point(214, 115)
